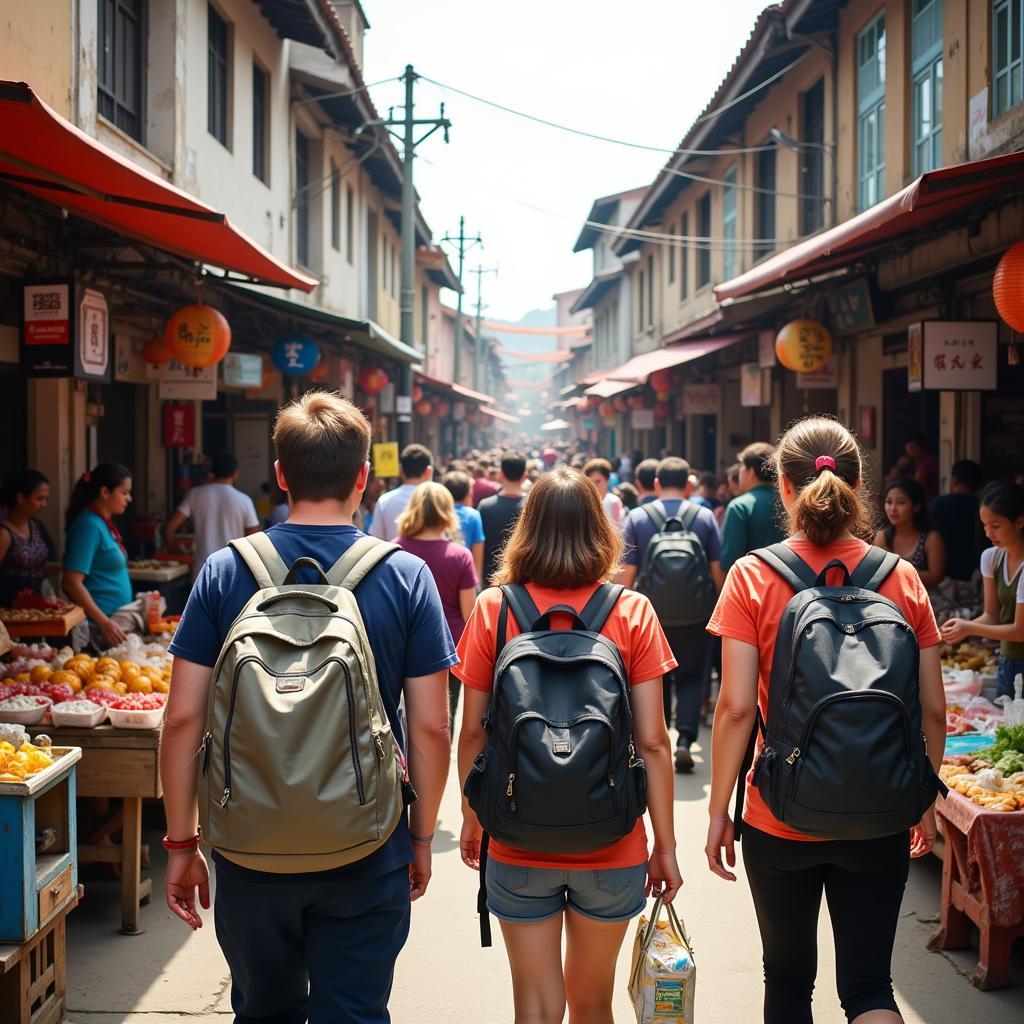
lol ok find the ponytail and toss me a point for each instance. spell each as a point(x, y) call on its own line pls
point(87, 488)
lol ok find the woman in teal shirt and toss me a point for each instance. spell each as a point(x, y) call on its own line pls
point(96, 564)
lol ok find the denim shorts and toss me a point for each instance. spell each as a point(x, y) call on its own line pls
point(1008, 669)
point(522, 895)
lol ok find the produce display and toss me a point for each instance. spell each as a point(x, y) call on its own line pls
point(975, 715)
point(978, 657)
point(18, 763)
point(995, 779)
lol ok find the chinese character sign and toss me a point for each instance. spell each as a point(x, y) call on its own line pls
point(295, 356)
point(959, 355)
point(179, 425)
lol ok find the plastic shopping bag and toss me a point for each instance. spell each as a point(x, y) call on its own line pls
point(663, 975)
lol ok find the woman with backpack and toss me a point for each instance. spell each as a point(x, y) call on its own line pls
point(563, 548)
point(909, 532)
point(868, 645)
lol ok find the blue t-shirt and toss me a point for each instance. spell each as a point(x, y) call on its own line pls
point(640, 530)
point(471, 525)
point(94, 553)
point(404, 622)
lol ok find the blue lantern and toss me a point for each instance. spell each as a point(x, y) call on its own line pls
point(296, 355)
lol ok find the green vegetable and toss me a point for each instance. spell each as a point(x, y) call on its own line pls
point(1009, 739)
point(1010, 762)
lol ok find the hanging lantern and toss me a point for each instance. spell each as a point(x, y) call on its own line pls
point(423, 407)
point(608, 421)
point(636, 401)
point(620, 405)
point(295, 356)
point(417, 393)
point(1008, 287)
point(198, 336)
point(320, 373)
point(803, 346)
point(156, 351)
point(443, 409)
point(606, 411)
point(662, 381)
point(373, 380)
point(662, 411)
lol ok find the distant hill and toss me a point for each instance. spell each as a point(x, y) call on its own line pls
point(530, 342)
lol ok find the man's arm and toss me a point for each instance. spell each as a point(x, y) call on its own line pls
point(717, 575)
point(173, 525)
point(478, 560)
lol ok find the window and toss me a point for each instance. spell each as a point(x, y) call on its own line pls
point(260, 95)
point(764, 203)
point(335, 208)
point(302, 199)
point(871, 113)
point(926, 85)
point(684, 252)
point(812, 158)
point(650, 289)
point(121, 63)
point(1007, 55)
point(217, 76)
point(671, 259)
point(729, 224)
point(350, 224)
point(704, 248)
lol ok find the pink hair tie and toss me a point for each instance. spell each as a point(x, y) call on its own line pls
point(824, 462)
point(85, 477)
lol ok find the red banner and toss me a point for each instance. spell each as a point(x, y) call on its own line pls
point(179, 425)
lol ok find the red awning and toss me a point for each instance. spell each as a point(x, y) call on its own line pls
point(922, 204)
point(43, 154)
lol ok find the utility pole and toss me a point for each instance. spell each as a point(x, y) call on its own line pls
point(477, 340)
point(464, 244)
point(409, 124)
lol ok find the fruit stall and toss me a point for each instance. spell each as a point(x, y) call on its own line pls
point(32, 615)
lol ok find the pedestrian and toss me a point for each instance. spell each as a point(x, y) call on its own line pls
point(599, 472)
point(314, 944)
point(219, 512)
point(754, 518)
point(471, 526)
point(1002, 568)
point(926, 465)
point(689, 643)
point(500, 511)
point(955, 516)
point(425, 529)
point(627, 494)
point(909, 533)
point(562, 549)
point(706, 491)
point(820, 473)
point(26, 550)
point(646, 471)
point(279, 507)
point(417, 466)
point(483, 485)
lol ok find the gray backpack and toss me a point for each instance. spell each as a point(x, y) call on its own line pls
point(300, 769)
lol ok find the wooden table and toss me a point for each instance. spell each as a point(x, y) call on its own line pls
point(121, 764)
point(60, 625)
point(164, 574)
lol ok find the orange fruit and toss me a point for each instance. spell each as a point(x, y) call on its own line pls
point(40, 673)
point(100, 682)
point(140, 684)
point(68, 679)
point(109, 667)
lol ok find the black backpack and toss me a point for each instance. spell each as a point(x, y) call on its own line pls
point(844, 755)
point(675, 575)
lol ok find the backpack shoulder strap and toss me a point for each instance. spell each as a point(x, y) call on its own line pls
point(596, 611)
point(522, 606)
point(689, 517)
point(261, 558)
point(874, 568)
point(788, 564)
point(656, 513)
point(359, 561)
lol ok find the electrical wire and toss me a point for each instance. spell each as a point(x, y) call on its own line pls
point(750, 92)
point(323, 184)
point(344, 92)
point(740, 186)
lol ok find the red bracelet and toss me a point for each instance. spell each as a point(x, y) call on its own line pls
point(187, 844)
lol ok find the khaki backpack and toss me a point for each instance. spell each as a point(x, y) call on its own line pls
point(299, 769)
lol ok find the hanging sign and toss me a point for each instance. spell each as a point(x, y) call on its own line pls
point(803, 345)
point(752, 385)
point(958, 355)
point(766, 350)
point(130, 362)
point(702, 399)
point(47, 314)
point(824, 379)
point(65, 331)
point(179, 425)
point(187, 383)
point(295, 356)
point(642, 419)
point(850, 307)
point(92, 351)
point(243, 370)
point(385, 459)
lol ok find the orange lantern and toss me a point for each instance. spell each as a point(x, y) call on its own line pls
point(661, 381)
point(606, 410)
point(321, 372)
point(636, 401)
point(156, 351)
point(424, 408)
point(443, 409)
point(417, 393)
point(198, 336)
point(620, 405)
point(803, 346)
point(373, 380)
point(1008, 287)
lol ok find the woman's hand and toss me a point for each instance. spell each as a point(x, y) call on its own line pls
point(721, 834)
point(922, 835)
point(955, 630)
point(663, 874)
point(469, 841)
point(112, 632)
point(420, 870)
point(187, 872)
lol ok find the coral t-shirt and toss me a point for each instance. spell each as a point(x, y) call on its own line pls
point(749, 609)
point(634, 629)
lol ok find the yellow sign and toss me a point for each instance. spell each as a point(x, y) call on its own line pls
point(385, 459)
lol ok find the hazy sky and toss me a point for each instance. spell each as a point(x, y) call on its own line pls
point(640, 71)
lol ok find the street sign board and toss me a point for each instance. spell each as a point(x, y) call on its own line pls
point(385, 459)
point(953, 355)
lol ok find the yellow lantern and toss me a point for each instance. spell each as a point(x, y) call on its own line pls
point(803, 346)
point(198, 336)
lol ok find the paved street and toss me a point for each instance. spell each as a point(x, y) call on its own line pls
point(443, 975)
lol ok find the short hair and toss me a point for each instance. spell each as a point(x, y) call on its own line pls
point(224, 465)
point(322, 442)
point(513, 466)
point(760, 457)
point(415, 460)
point(458, 484)
point(645, 473)
point(602, 466)
point(732, 474)
point(967, 472)
point(430, 507)
point(628, 495)
point(674, 473)
point(708, 479)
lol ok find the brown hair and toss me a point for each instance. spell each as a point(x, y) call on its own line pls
point(562, 538)
point(760, 457)
point(602, 466)
point(430, 508)
point(828, 501)
point(322, 442)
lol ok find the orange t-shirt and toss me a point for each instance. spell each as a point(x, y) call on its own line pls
point(749, 609)
point(634, 629)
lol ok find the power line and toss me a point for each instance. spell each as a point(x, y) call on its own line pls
point(344, 92)
point(750, 92)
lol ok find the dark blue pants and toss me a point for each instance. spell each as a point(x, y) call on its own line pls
point(686, 683)
point(322, 952)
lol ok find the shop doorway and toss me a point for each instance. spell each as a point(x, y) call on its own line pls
point(707, 443)
point(904, 414)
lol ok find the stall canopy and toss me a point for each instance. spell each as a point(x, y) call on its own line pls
point(923, 204)
point(457, 391)
point(43, 154)
point(497, 414)
point(553, 425)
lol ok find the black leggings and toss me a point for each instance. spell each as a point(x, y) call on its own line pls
point(863, 883)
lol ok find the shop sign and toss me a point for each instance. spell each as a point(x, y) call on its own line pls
point(755, 385)
point(47, 315)
point(850, 308)
point(977, 118)
point(766, 350)
point(825, 379)
point(179, 425)
point(65, 331)
point(458, 411)
point(385, 459)
point(243, 370)
point(403, 405)
point(642, 419)
point(953, 355)
point(386, 400)
point(130, 364)
point(703, 399)
point(188, 383)
point(92, 351)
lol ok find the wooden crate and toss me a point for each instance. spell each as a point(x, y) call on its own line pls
point(60, 625)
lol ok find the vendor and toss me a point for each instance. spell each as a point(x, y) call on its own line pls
point(1002, 567)
point(26, 550)
point(96, 564)
point(909, 533)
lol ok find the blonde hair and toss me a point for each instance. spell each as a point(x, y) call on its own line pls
point(430, 508)
point(828, 501)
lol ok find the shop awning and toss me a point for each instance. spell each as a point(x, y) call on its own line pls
point(610, 388)
point(43, 154)
point(553, 425)
point(454, 390)
point(923, 204)
point(497, 414)
point(597, 289)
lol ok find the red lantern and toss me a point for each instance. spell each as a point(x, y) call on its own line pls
point(662, 411)
point(1008, 287)
point(373, 380)
point(606, 410)
point(321, 372)
point(662, 380)
point(156, 351)
point(443, 409)
point(636, 401)
point(417, 393)
point(198, 336)
point(424, 408)
point(621, 405)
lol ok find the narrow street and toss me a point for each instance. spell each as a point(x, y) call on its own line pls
point(444, 976)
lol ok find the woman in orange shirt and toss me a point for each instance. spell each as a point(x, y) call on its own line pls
point(562, 548)
point(819, 471)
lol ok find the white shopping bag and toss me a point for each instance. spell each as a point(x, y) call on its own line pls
point(663, 976)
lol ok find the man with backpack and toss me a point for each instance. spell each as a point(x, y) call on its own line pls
point(673, 555)
point(293, 653)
